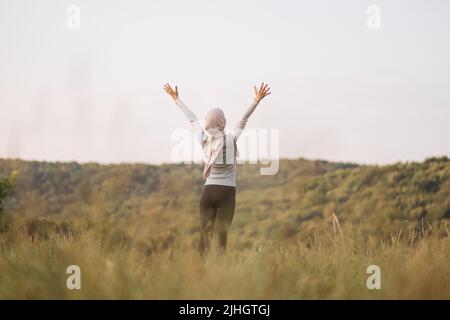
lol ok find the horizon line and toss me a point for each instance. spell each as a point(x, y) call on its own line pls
point(360, 164)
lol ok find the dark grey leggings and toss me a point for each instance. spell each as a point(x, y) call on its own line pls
point(217, 205)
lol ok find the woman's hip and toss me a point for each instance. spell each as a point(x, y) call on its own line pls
point(217, 195)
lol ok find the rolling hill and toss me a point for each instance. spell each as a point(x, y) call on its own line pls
point(155, 199)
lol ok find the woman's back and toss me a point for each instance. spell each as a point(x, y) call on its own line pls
point(223, 169)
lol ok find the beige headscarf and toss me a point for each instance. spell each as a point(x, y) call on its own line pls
point(214, 127)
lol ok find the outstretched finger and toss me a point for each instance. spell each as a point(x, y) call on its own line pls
point(260, 88)
point(176, 90)
point(265, 95)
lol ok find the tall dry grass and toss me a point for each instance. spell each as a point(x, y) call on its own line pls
point(327, 265)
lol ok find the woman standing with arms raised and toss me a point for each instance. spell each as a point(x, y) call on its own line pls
point(218, 198)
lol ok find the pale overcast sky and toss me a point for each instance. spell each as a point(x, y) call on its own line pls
point(340, 91)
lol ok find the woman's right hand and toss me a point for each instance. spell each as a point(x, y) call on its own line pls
point(171, 92)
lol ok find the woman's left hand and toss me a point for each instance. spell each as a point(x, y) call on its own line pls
point(262, 92)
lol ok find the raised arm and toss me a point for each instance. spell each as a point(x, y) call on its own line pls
point(260, 93)
point(198, 130)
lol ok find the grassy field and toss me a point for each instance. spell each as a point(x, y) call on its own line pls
point(133, 231)
point(329, 265)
